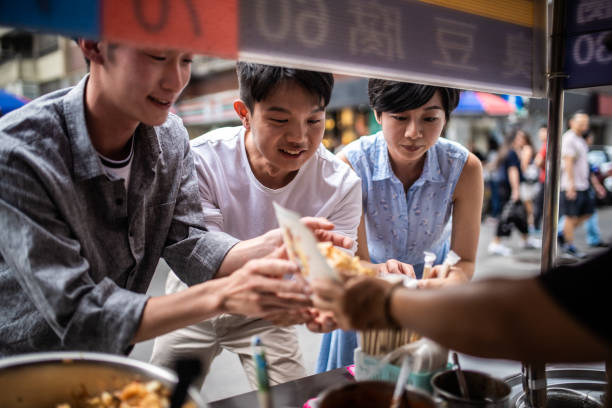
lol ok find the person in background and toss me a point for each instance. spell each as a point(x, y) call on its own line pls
point(513, 212)
point(491, 176)
point(575, 201)
point(540, 162)
point(528, 187)
point(414, 182)
point(276, 156)
point(596, 190)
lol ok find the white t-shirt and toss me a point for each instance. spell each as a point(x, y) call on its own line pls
point(575, 147)
point(236, 202)
point(120, 169)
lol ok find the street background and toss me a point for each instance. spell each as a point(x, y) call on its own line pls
point(227, 377)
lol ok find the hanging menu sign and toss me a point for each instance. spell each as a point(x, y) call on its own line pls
point(588, 55)
point(472, 44)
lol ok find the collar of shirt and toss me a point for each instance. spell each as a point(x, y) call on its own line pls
point(86, 163)
point(382, 170)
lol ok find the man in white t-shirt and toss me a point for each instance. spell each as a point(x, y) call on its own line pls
point(575, 202)
point(276, 156)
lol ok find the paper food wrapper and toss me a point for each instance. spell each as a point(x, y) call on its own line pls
point(302, 246)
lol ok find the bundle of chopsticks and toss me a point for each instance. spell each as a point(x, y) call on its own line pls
point(381, 342)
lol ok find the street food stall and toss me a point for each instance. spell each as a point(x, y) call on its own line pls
point(498, 47)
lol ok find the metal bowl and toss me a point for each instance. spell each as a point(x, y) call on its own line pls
point(484, 390)
point(566, 387)
point(46, 379)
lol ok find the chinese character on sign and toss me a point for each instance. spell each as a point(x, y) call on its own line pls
point(376, 30)
point(593, 10)
point(456, 44)
point(518, 56)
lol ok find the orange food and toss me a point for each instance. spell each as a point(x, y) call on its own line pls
point(344, 263)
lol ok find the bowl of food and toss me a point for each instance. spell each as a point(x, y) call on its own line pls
point(83, 379)
point(373, 394)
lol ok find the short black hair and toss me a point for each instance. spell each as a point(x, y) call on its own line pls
point(396, 97)
point(256, 81)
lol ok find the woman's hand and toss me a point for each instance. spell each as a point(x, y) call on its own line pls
point(455, 276)
point(395, 266)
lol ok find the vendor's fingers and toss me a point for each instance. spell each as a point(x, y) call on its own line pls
point(324, 303)
point(327, 321)
point(327, 288)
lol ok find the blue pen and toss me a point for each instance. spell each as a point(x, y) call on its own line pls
point(261, 372)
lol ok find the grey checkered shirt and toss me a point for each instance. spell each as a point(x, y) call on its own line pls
point(78, 251)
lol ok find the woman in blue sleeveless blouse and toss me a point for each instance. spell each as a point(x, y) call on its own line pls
point(420, 193)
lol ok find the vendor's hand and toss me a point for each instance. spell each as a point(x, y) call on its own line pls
point(570, 193)
point(455, 276)
point(395, 266)
point(258, 289)
point(361, 305)
point(601, 191)
point(321, 322)
point(327, 297)
point(515, 196)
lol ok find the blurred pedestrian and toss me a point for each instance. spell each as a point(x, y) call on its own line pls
point(529, 184)
point(575, 201)
point(540, 162)
point(492, 178)
point(513, 212)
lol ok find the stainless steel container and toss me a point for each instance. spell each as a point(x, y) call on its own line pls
point(46, 379)
point(566, 387)
point(484, 391)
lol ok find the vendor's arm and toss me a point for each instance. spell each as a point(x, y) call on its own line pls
point(467, 208)
point(511, 319)
point(488, 318)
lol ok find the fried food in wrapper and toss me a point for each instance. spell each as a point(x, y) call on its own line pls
point(302, 246)
point(343, 263)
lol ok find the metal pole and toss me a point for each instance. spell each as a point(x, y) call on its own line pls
point(534, 375)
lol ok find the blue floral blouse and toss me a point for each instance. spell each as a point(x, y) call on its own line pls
point(399, 225)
